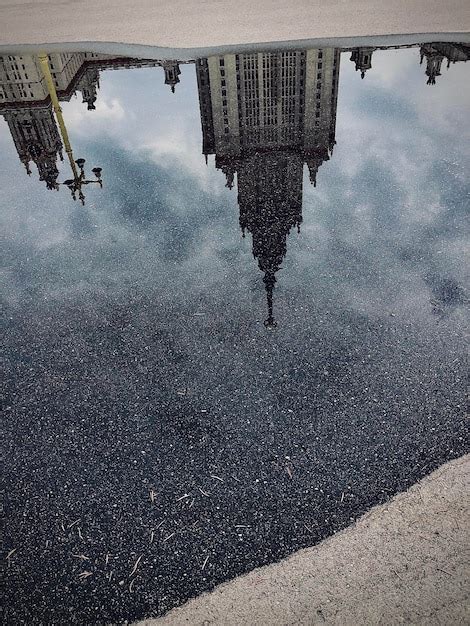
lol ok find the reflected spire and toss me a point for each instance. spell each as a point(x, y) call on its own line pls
point(269, 282)
point(88, 85)
point(433, 63)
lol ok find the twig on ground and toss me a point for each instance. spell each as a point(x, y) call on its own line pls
point(134, 569)
point(183, 497)
point(73, 523)
point(82, 557)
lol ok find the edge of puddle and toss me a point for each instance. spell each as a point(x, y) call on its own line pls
point(188, 54)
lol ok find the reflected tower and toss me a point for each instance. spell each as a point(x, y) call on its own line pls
point(36, 138)
point(265, 115)
point(88, 85)
point(435, 53)
point(172, 73)
point(362, 59)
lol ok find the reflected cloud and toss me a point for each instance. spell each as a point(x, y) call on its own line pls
point(105, 114)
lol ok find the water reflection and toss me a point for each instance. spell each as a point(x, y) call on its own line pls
point(261, 101)
point(136, 362)
point(263, 115)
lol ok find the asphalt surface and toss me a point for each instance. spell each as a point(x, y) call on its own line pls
point(246, 467)
point(159, 438)
point(405, 562)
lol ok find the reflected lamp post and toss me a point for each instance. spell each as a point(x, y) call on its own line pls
point(79, 179)
point(75, 184)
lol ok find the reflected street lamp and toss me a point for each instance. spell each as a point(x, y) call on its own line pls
point(76, 183)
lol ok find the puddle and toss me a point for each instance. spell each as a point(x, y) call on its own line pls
point(243, 330)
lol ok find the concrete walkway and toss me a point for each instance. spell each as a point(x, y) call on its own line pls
point(404, 562)
point(205, 23)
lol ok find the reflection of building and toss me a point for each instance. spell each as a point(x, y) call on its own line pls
point(362, 58)
point(89, 84)
point(34, 132)
point(21, 79)
point(263, 116)
point(172, 73)
point(26, 107)
point(435, 53)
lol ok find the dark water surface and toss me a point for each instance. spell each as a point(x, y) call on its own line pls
point(205, 402)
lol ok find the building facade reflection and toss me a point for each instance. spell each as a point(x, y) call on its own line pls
point(26, 107)
point(265, 115)
point(435, 53)
point(36, 138)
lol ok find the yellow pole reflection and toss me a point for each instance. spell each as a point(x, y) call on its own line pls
point(79, 180)
point(44, 62)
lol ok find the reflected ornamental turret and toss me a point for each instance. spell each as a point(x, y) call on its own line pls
point(34, 132)
point(362, 58)
point(89, 84)
point(435, 53)
point(172, 73)
point(264, 115)
point(433, 63)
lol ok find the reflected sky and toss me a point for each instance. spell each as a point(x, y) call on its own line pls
point(382, 225)
point(137, 353)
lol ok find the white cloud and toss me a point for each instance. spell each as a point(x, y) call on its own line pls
point(108, 115)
